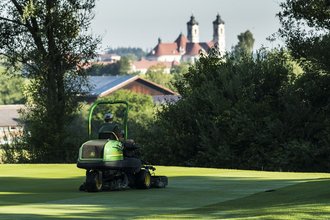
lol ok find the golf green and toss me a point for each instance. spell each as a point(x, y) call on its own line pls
point(50, 191)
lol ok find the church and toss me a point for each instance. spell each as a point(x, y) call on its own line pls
point(188, 48)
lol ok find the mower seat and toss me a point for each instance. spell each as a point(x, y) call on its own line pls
point(108, 135)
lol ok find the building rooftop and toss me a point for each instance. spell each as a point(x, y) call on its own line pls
point(218, 20)
point(192, 21)
point(101, 84)
point(104, 85)
point(146, 64)
point(9, 115)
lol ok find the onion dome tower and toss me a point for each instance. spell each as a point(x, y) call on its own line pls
point(193, 30)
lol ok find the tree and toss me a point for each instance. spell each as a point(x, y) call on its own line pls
point(245, 44)
point(135, 52)
point(140, 115)
point(157, 75)
point(260, 112)
point(243, 113)
point(103, 70)
point(124, 65)
point(180, 69)
point(49, 41)
point(305, 29)
point(11, 89)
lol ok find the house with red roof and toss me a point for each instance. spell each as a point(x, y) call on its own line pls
point(142, 66)
point(189, 48)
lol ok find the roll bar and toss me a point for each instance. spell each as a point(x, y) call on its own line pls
point(91, 110)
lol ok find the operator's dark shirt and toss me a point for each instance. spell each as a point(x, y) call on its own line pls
point(110, 127)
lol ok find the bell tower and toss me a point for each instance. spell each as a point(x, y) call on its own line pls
point(193, 30)
point(219, 33)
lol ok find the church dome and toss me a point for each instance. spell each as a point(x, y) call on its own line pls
point(192, 21)
point(218, 20)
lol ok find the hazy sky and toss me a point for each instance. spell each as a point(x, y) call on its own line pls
point(139, 23)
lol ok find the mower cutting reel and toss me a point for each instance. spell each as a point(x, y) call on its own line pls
point(114, 164)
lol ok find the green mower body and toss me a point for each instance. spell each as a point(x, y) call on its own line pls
point(104, 155)
point(113, 164)
point(101, 150)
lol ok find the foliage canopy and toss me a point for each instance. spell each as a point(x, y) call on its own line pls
point(248, 113)
point(11, 89)
point(49, 41)
point(244, 45)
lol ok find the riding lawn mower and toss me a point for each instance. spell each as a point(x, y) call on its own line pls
point(114, 163)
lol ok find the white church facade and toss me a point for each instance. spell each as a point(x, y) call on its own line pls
point(188, 49)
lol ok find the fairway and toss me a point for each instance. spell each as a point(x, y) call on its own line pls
point(51, 192)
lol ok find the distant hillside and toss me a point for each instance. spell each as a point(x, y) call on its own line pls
point(136, 52)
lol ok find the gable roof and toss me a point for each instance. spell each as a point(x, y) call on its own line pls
point(181, 46)
point(165, 49)
point(105, 85)
point(193, 49)
point(207, 45)
point(101, 84)
point(9, 115)
point(181, 41)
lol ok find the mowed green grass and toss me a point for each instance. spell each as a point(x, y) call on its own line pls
point(51, 192)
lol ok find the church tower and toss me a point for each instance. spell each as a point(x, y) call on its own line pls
point(219, 34)
point(193, 30)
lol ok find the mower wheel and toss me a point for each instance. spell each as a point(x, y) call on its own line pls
point(93, 181)
point(143, 180)
point(159, 181)
point(82, 187)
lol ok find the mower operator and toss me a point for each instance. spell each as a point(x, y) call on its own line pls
point(108, 127)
